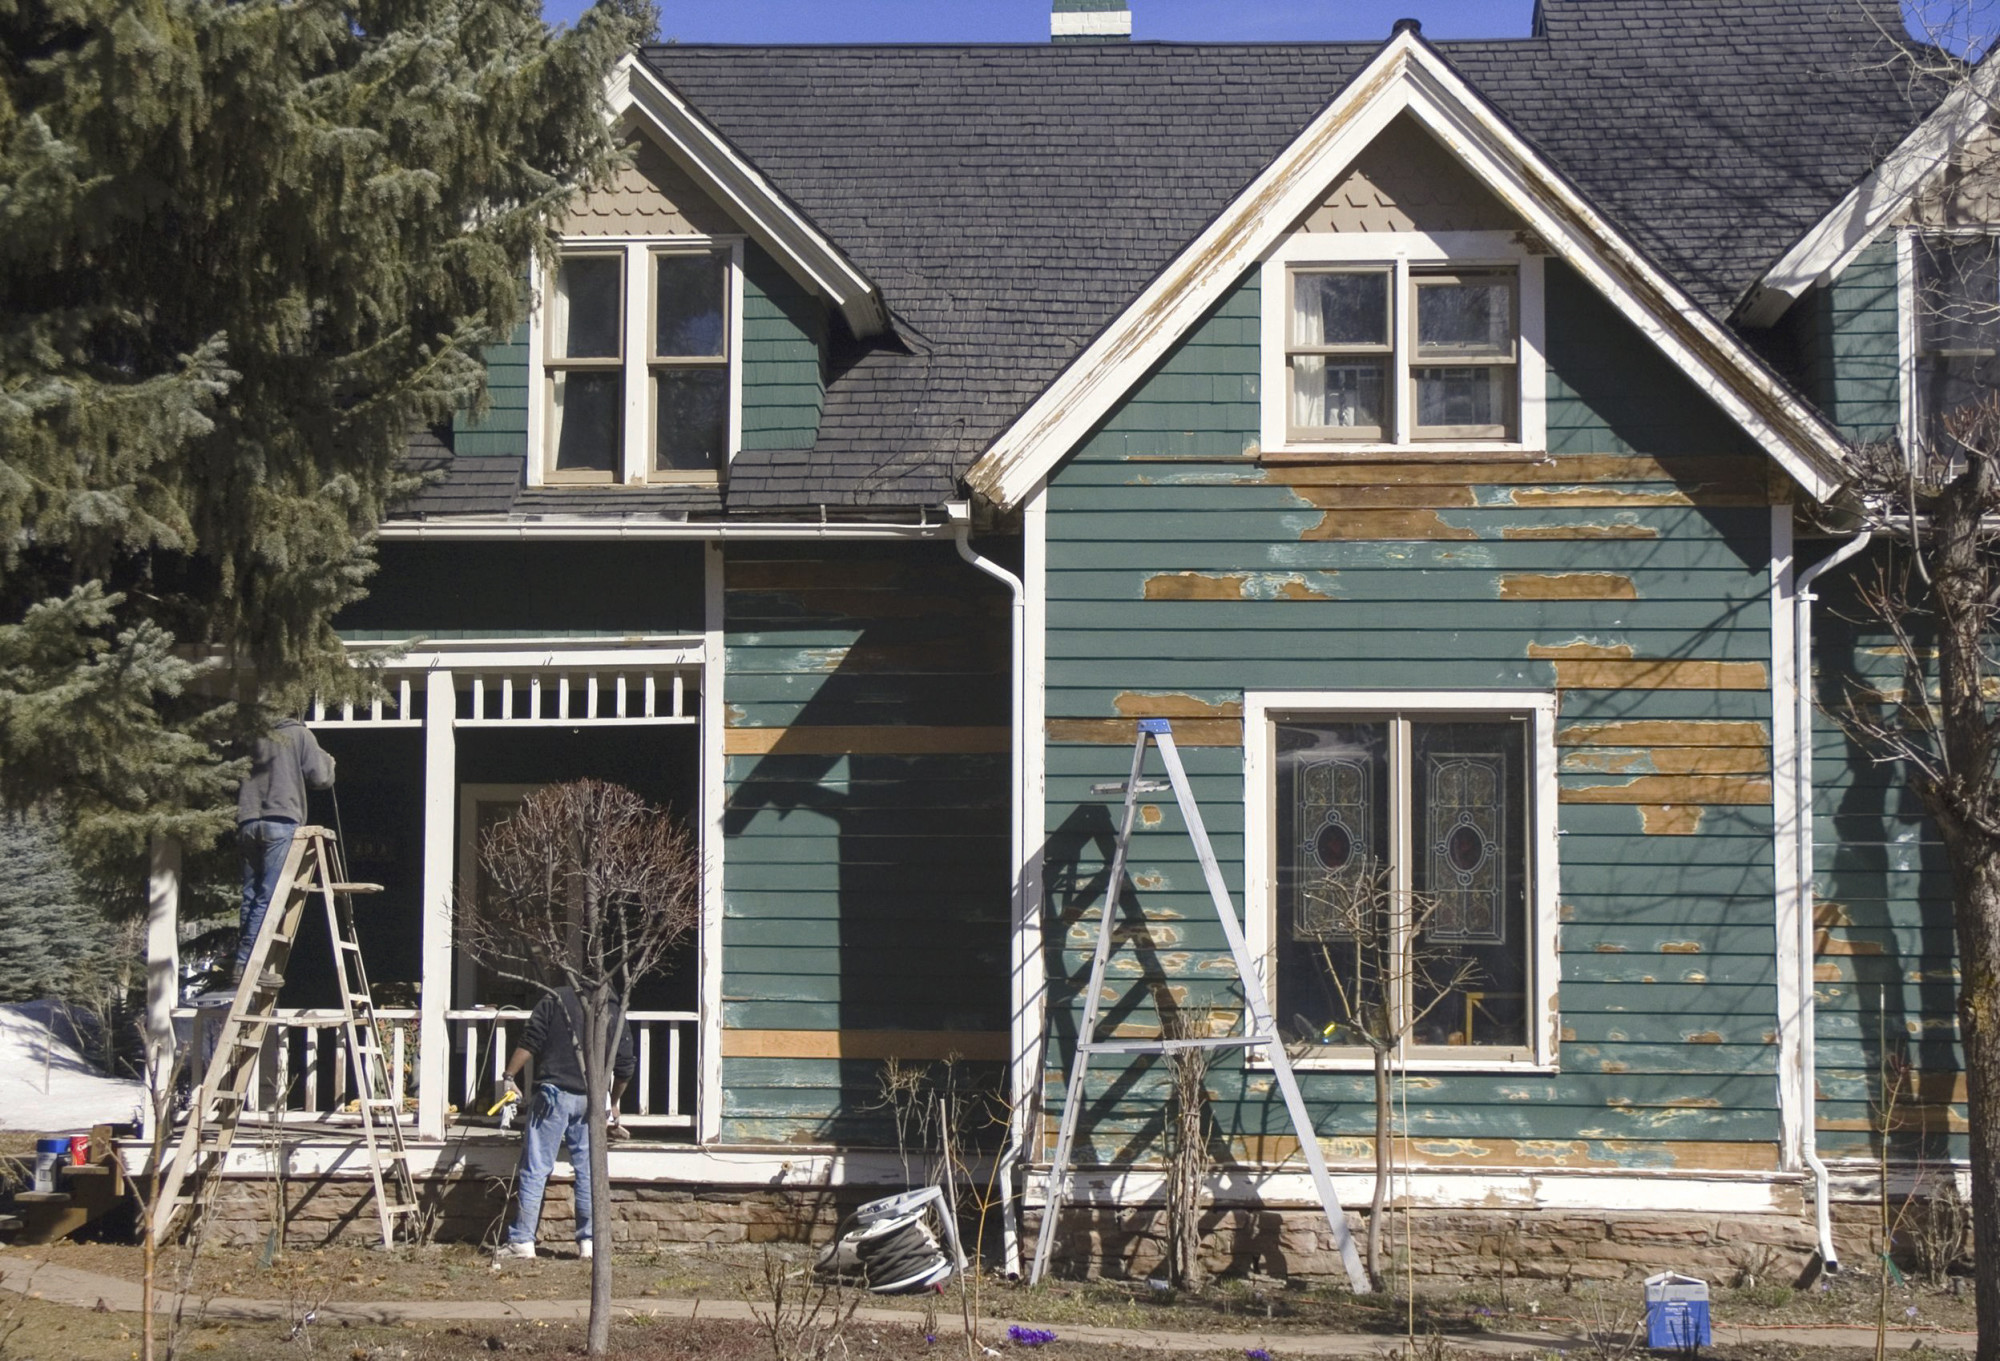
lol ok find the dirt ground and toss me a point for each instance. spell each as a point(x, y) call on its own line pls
point(719, 1272)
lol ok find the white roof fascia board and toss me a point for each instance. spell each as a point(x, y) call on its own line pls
point(805, 254)
point(1405, 75)
point(1873, 205)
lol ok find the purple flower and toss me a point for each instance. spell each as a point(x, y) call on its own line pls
point(1029, 1337)
point(1257, 1354)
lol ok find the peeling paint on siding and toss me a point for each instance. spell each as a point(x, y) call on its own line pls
point(1569, 586)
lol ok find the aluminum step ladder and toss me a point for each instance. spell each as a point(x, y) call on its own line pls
point(1261, 1032)
point(191, 1175)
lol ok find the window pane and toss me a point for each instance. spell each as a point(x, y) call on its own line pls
point(688, 305)
point(1961, 297)
point(1340, 309)
point(587, 417)
point(1465, 396)
point(1473, 316)
point(1469, 958)
point(1328, 393)
point(584, 314)
point(1334, 924)
point(690, 419)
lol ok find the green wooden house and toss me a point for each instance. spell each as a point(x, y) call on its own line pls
point(1436, 433)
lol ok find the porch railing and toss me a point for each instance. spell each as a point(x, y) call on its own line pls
point(302, 1072)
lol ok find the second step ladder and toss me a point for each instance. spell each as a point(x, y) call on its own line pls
point(1261, 1031)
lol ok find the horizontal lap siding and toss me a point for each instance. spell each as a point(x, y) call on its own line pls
point(865, 876)
point(503, 431)
point(1885, 962)
point(1629, 574)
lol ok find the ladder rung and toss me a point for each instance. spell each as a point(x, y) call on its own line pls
point(1169, 1046)
point(1143, 787)
point(355, 888)
point(401, 1209)
point(383, 1100)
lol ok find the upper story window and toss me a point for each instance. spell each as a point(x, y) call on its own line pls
point(1408, 881)
point(1957, 327)
point(638, 358)
point(1389, 342)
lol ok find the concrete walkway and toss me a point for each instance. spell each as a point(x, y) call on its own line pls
point(25, 1274)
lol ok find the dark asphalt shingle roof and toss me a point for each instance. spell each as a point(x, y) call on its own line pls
point(1009, 200)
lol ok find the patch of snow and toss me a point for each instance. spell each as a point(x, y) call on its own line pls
point(46, 1084)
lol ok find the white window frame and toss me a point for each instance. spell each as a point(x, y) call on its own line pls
point(1400, 253)
point(1910, 325)
point(1262, 710)
point(636, 457)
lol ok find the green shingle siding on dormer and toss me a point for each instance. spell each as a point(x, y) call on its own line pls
point(504, 431)
point(1848, 346)
point(784, 339)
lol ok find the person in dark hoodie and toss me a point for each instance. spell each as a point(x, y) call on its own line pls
point(270, 805)
point(559, 1115)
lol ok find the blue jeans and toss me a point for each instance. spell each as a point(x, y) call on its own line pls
point(556, 1118)
point(263, 843)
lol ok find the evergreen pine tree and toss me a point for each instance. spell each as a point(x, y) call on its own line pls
point(245, 247)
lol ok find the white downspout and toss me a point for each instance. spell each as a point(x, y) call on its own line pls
point(1803, 801)
point(1021, 1085)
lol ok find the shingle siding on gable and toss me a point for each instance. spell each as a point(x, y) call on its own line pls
point(1176, 585)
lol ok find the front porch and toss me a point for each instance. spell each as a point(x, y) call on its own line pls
point(460, 735)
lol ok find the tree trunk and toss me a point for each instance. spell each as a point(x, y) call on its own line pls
point(1383, 1166)
point(599, 1049)
point(1976, 905)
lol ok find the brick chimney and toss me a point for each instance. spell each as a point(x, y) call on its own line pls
point(1090, 21)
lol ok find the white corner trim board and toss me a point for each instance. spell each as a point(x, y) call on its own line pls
point(634, 91)
point(1873, 205)
point(1407, 77)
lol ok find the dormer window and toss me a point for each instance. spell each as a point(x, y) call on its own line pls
point(1402, 342)
point(636, 355)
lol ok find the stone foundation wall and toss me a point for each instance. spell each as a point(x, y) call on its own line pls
point(1448, 1248)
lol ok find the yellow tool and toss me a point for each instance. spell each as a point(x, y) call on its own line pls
point(503, 1103)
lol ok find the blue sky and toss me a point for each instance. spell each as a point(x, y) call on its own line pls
point(874, 21)
point(1010, 21)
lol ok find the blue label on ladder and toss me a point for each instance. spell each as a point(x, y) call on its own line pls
point(1155, 725)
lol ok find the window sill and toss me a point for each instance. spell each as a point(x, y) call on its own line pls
point(558, 481)
point(1362, 1063)
point(1438, 451)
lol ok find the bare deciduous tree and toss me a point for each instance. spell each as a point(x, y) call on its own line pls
point(586, 886)
point(1385, 981)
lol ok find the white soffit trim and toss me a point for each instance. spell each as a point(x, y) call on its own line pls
point(807, 255)
point(1873, 205)
point(1406, 77)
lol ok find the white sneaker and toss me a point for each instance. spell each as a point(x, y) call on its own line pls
point(584, 1245)
point(512, 1251)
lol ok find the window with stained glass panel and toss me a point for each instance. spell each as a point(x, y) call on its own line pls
point(1410, 834)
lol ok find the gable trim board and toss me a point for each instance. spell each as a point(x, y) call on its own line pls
point(1407, 76)
point(1872, 206)
point(805, 254)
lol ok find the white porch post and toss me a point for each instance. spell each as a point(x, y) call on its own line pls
point(440, 806)
point(163, 968)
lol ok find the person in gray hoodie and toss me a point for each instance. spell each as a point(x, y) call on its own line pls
point(270, 805)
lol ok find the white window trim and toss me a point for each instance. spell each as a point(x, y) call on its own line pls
point(1261, 709)
point(1400, 252)
point(637, 456)
point(1909, 321)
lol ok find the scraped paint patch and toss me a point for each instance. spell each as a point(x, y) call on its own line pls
point(1569, 586)
point(1238, 586)
point(1557, 532)
point(1581, 649)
